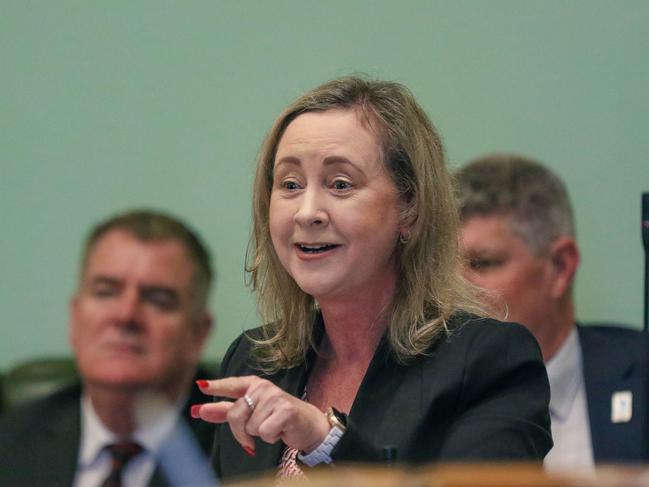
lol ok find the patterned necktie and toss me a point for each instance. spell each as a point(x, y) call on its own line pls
point(121, 454)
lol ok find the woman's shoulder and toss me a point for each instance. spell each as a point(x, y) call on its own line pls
point(237, 359)
point(471, 323)
point(482, 332)
point(483, 351)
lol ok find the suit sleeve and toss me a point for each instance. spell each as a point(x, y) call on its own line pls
point(503, 405)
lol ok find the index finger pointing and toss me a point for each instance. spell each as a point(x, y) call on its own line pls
point(232, 387)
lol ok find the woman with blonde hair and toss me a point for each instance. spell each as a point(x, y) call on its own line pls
point(369, 348)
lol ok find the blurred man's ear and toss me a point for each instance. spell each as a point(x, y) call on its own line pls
point(565, 261)
point(204, 325)
point(202, 329)
point(73, 306)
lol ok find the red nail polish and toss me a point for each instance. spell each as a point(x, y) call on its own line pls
point(249, 451)
point(202, 384)
point(195, 410)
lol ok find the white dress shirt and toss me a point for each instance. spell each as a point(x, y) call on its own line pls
point(573, 448)
point(94, 461)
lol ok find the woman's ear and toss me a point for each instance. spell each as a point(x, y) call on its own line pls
point(405, 233)
point(408, 218)
point(564, 255)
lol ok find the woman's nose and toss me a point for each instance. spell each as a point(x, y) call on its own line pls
point(312, 209)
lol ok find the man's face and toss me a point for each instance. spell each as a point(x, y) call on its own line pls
point(503, 263)
point(132, 321)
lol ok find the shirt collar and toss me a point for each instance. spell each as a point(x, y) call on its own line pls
point(94, 435)
point(158, 422)
point(565, 375)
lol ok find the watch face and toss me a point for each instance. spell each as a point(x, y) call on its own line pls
point(336, 418)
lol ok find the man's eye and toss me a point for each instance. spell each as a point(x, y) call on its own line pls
point(482, 264)
point(162, 300)
point(104, 292)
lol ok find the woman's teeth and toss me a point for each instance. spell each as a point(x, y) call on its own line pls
point(314, 249)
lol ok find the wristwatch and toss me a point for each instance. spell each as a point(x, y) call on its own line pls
point(322, 454)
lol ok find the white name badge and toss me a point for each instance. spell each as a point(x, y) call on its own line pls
point(621, 406)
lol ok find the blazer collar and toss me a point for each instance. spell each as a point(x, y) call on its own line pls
point(594, 346)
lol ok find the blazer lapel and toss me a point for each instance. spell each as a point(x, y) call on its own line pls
point(608, 371)
point(158, 479)
point(59, 441)
point(375, 409)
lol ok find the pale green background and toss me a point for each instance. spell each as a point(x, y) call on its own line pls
point(105, 105)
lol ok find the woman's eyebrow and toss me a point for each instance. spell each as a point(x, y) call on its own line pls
point(287, 160)
point(331, 160)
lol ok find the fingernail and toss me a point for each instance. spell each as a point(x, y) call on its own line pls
point(249, 451)
point(202, 383)
point(196, 410)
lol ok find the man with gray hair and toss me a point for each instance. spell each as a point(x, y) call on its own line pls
point(518, 235)
point(138, 325)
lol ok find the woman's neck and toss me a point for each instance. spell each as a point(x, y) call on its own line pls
point(344, 354)
point(354, 327)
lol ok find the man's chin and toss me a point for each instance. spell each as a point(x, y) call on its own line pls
point(122, 379)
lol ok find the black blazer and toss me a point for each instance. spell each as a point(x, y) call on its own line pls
point(615, 359)
point(480, 393)
point(39, 442)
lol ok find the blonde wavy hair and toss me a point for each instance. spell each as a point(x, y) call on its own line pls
point(430, 287)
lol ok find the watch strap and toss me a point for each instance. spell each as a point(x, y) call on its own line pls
point(322, 454)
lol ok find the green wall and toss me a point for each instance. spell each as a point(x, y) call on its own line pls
point(114, 104)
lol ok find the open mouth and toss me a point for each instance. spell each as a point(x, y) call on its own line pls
point(316, 249)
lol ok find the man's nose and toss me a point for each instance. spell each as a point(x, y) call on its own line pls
point(129, 310)
point(312, 209)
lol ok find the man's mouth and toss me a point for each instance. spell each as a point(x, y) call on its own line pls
point(124, 346)
point(315, 248)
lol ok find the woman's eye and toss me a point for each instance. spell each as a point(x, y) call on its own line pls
point(341, 185)
point(290, 185)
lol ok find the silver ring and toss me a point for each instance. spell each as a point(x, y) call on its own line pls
point(249, 402)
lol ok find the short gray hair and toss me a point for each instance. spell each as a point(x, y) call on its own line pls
point(524, 190)
point(149, 226)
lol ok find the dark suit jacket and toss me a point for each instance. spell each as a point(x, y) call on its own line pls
point(39, 443)
point(481, 393)
point(615, 359)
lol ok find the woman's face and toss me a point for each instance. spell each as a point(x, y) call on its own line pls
point(334, 211)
